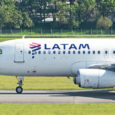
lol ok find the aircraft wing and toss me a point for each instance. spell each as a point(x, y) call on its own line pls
point(110, 67)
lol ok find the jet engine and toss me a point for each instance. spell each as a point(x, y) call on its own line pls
point(95, 78)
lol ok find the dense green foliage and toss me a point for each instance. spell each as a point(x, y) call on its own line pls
point(104, 23)
point(69, 14)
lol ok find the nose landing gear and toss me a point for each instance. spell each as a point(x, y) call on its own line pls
point(19, 89)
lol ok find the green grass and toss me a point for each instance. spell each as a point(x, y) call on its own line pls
point(38, 31)
point(41, 83)
point(63, 37)
point(57, 109)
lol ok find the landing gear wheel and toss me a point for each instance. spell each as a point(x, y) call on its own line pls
point(19, 90)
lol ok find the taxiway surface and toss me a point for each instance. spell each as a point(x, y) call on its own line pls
point(58, 97)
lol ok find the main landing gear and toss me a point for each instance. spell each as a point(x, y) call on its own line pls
point(19, 89)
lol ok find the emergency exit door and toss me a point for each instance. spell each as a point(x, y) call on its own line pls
point(19, 53)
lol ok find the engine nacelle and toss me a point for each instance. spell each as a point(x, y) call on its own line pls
point(95, 78)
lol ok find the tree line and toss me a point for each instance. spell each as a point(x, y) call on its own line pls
point(68, 14)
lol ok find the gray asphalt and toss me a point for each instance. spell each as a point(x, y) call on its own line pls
point(58, 97)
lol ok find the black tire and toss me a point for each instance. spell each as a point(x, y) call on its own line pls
point(19, 90)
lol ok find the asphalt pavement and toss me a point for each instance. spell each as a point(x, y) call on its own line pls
point(58, 96)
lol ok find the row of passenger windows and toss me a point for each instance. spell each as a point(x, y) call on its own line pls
point(70, 52)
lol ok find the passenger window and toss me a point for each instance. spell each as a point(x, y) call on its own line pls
point(49, 52)
point(59, 52)
point(69, 52)
point(73, 52)
point(113, 52)
point(39, 52)
point(44, 52)
point(83, 52)
point(78, 52)
point(88, 52)
point(54, 52)
point(93, 52)
point(63, 52)
point(29, 52)
point(98, 52)
point(106, 52)
point(0, 51)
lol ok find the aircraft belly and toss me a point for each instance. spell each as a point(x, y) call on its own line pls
point(24, 69)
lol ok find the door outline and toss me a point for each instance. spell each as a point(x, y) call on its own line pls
point(19, 53)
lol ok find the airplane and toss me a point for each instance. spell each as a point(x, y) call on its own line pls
point(91, 62)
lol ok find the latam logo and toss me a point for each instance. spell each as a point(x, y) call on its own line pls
point(36, 46)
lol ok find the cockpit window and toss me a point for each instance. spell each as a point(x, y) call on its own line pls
point(0, 51)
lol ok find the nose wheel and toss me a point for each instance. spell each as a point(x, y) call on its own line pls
point(19, 89)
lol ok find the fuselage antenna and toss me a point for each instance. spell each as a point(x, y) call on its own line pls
point(23, 37)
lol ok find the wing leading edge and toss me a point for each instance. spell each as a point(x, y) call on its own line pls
point(110, 66)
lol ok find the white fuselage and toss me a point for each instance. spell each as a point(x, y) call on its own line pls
point(53, 57)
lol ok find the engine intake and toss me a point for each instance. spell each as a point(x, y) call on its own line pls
point(95, 78)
